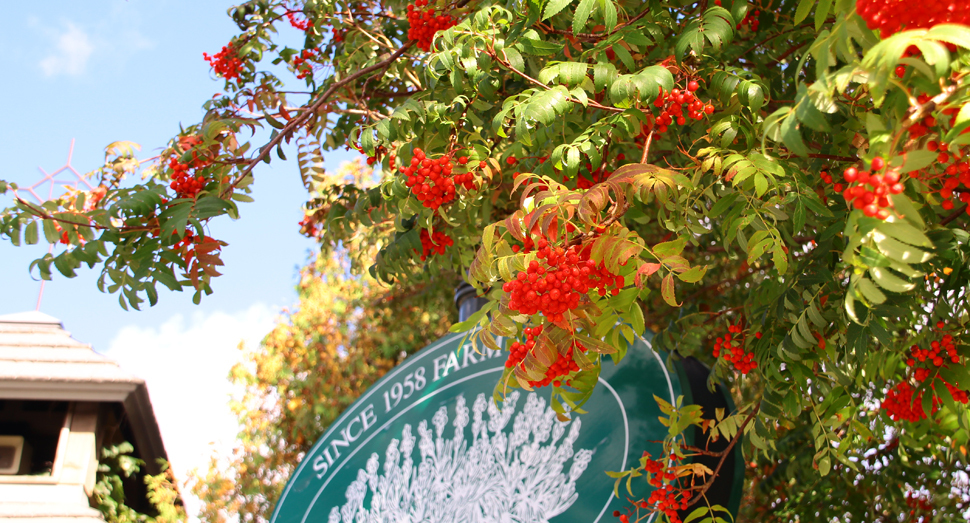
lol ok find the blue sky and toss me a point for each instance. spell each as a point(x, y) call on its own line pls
point(102, 71)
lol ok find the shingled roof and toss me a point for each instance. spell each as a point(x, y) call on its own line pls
point(39, 360)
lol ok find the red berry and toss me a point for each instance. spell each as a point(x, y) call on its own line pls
point(878, 163)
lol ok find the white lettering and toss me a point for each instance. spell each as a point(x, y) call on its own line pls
point(367, 417)
point(347, 433)
point(469, 356)
point(338, 442)
point(452, 364)
point(439, 366)
point(320, 466)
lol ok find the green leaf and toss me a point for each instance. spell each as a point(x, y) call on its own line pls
point(752, 95)
point(780, 259)
point(625, 57)
point(870, 291)
point(955, 34)
point(804, 7)
point(825, 465)
point(889, 281)
point(572, 73)
point(30, 233)
point(538, 47)
point(276, 124)
point(671, 248)
point(474, 319)
point(50, 231)
point(822, 13)
point(697, 514)
point(913, 160)
point(791, 137)
point(903, 231)
point(604, 74)
point(724, 204)
point(581, 15)
point(609, 14)
point(553, 7)
point(693, 275)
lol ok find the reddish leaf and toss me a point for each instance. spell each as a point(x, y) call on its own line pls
point(667, 290)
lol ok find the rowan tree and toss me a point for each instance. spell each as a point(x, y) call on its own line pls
point(779, 187)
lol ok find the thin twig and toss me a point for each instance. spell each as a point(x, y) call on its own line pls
point(788, 52)
point(296, 122)
point(924, 109)
point(727, 452)
point(597, 36)
point(956, 214)
point(534, 81)
point(42, 214)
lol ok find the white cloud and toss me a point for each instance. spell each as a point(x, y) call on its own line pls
point(186, 364)
point(73, 47)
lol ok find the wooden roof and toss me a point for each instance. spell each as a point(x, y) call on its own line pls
point(39, 360)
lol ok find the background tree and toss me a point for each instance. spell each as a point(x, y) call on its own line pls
point(779, 187)
point(345, 333)
point(116, 467)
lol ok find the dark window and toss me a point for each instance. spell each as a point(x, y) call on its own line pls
point(39, 423)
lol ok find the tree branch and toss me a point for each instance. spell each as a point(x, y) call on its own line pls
point(710, 482)
point(956, 214)
point(925, 109)
point(596, 36)
point(296, 122)
point(42, 214)
point(534, 81)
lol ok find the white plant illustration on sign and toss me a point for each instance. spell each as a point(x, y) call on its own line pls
point(516, 477)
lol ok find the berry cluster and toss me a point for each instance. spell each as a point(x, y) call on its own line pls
point(900, 403)
point(302, 25)
point(557, 281)
point(65, 238)
point(303, 63)
point(672, 106)
point(892, 16)
point(309, 227)
point(732, 349)
point(561, 368)
point(665, 498)
point(520, 349)
point(955, 173)
point(949, 176)
point(432, 180)
point(434, 243)
point(226, 63)
point(869, 190)
point(920, 505)
point(750, 20)
point(184, 183)
point(424, 24)
point(378, 153)
point(595, 176)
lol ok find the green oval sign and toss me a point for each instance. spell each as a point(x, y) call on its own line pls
point(427, 443)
